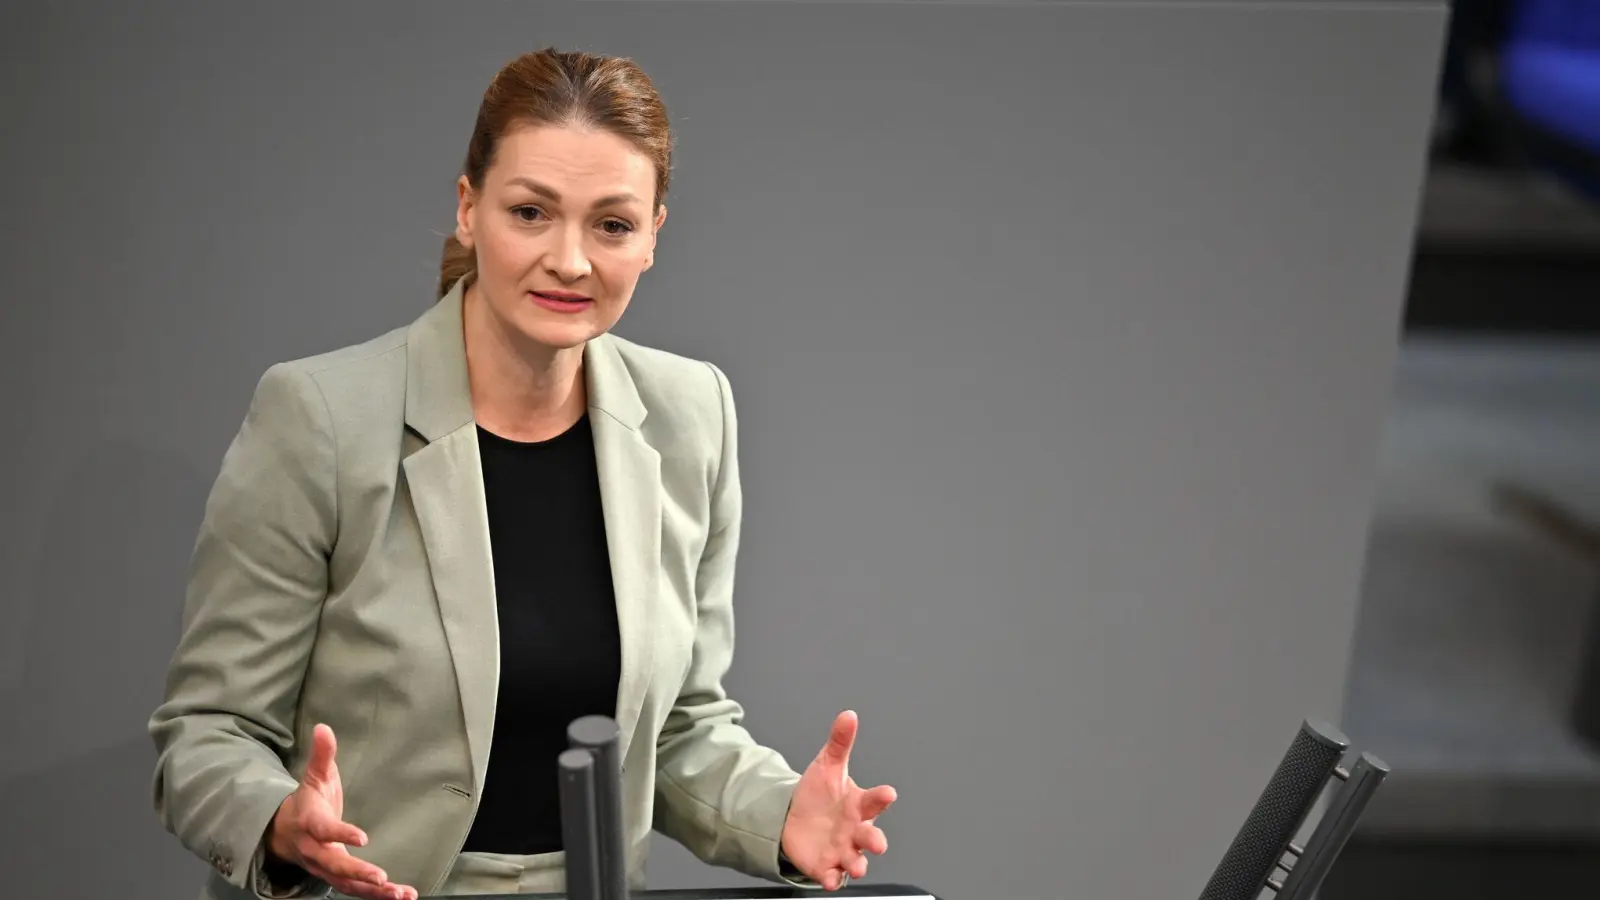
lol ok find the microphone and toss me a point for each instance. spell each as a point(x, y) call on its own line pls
point(1334, 829)
point(579, 826)
point(598, 736)
point(1267, 836)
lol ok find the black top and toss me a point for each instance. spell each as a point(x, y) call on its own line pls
point(560, 650)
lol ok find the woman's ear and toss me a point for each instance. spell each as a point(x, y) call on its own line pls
point(655, 229)
point(464, 206)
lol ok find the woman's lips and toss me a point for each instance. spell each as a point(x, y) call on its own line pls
point(561, 301)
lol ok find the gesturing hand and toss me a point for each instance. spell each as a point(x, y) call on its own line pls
point(831, 822)
point(308, 830)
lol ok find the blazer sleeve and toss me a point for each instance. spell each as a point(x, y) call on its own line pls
point(719, 793)
point(257, 580)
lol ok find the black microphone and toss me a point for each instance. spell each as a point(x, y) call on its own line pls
point(1311, 866)
point(600, 736)
point(579, 825)
point(1269, 830)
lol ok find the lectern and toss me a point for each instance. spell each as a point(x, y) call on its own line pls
point(590, 774)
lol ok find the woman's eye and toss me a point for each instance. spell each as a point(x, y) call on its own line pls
point(527, 213)
point(616, 228)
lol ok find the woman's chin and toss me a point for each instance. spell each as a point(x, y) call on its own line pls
point(561, 335)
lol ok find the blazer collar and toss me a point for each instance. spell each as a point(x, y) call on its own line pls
point(439, 395)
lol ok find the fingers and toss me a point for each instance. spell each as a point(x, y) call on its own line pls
point(362, 889)
point(867, 838)
point(875, 801)
point(321, 769)
point(857, 867)
point(871, 839)
point(367, 891)
point(840, 739)
point(328, 859)
point(333, 861)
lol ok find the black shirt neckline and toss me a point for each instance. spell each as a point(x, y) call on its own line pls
point(577, 428)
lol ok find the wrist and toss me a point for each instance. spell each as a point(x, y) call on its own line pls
point(279, 868)
point(274, 841)
point(786, 865)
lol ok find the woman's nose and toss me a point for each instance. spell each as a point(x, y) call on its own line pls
point(568, 258)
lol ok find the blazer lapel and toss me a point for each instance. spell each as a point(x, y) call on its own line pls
point(630, 489)
point(445, 478)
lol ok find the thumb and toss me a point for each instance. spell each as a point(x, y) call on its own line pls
point(840, 740)
point(320, 769)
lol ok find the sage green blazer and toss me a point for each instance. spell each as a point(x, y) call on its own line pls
point(342, 574)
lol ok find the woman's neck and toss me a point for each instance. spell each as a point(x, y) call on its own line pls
point(520, 390)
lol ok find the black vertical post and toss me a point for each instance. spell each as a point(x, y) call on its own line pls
point(600, 736)
point(579, 826)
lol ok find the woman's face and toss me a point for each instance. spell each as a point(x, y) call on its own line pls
point(562, 230)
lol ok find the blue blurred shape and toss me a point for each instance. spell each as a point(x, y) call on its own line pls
point(1551, 67)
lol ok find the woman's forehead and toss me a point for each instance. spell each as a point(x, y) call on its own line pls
point(568, 159)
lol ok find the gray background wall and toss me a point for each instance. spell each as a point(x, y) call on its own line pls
point(1060, 335)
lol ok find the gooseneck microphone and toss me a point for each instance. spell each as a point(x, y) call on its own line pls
point(1265, 842)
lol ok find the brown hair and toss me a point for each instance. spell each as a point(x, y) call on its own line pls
point(551, 87)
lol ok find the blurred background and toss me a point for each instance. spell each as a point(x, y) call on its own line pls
point(1475, 670)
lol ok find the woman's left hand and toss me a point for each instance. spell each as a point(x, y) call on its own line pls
point(831, 823)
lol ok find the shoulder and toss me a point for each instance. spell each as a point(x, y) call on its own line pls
point(335, 389)
point(368, 365)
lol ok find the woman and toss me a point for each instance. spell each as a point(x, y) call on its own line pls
point(446, 543)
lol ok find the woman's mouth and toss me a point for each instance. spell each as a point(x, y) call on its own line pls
point(561, 301)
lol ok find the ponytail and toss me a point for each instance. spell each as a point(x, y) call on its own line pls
point(457, 263)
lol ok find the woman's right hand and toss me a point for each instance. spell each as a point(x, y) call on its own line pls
point(309, 831)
